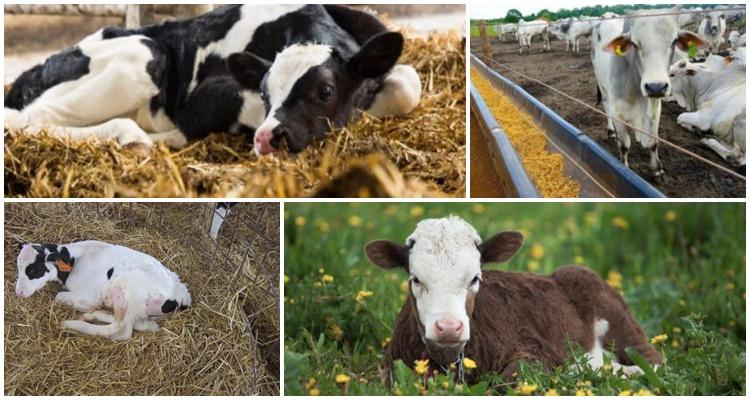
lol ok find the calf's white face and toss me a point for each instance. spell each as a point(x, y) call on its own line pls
point(444, 258)
point(649, 43)
point(36, 266)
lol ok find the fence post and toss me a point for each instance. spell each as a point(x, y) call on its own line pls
point(138, 15)
point(483, 39)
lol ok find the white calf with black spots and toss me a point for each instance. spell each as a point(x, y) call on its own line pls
point(97, 275)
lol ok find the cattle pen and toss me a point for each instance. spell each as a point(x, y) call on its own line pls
point(421, 154)
point(555, 84)
point(226, 343)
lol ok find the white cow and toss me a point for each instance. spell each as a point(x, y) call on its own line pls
point(97, 275)
point(505, 29)
point(631, 61)
point(736, 40)
point(528, 30)
point(609, 15)
point(572, 30)
point(713, 92)
point(712, 28)
point(690, 17)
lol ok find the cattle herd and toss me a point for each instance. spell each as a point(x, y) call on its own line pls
point(693, 56)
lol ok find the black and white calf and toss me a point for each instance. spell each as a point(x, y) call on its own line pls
point(281, 73)
point(97, 275)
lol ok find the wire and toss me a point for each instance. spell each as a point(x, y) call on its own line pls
point(596, 110)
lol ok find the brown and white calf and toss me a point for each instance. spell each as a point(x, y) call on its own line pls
point(457, 309)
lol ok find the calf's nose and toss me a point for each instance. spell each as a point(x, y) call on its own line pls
point(658, 89)
point(263, 143)
point(449, 329)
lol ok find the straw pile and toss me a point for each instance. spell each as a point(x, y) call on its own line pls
point(219, 346)
point(426, 149)
point(545, 169)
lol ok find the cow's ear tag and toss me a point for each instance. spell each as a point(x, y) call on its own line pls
point(63, 266)
point(618, 51)
point(692, 49)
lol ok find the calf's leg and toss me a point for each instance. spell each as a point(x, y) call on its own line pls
point(400, 93)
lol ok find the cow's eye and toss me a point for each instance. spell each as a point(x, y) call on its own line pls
point(325, 93)
point(415, 280)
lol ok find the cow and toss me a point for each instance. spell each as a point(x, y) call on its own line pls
point(572, 30)
point(278, 73)
point(457, 307)
point(631, 59)
point(713, 92)
point(712, 28)
point(609, 15)
point(736, 40)
point(528, 30)
point(505, 29)
point(690, 17)
point(98, 275)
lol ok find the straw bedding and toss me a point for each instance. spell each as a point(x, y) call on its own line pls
point(425, 150)
point(225, 344)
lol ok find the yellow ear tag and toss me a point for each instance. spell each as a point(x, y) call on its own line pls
point(63, 266)
point(618, 51)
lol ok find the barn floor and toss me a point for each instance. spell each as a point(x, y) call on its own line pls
point(573, 74)
point(226, 343)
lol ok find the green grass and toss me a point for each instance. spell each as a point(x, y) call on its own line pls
point(474, 31)
point(681, 268)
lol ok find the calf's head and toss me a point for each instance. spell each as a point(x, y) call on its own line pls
point(309, 88)
point(648, 43)
point(714, 22)
point(39, 264)
point(444, 258)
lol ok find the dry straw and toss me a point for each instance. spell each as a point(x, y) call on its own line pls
point(422, 154)
point(225, 344)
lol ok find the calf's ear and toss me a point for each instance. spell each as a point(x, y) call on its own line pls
point(686, 39)
point(378, 55)
point(501, 247)
point(248, 69)
point(386, 254)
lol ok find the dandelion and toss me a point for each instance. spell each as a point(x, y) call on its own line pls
point(317, 284)
point(362, 295)
point(619, 222)
point(479, 208)
point(355, 220)
point(327, 278)
point(533, 266)
point(590, 218)
point(386, 342)
point(659, 339)
point(336, 331)
point(310, 383)
point(643, 392)
point(670, 216)
point(469, 363)
point(584, 392)
point(676, 329)
point(675, 343)
point(614, 279)
point(445, 385)
point(526, 389)
point(314, 392)
point(579, 260)
point(583, 383)
point(551, 392)
point(537, 251)
point(625, 393)
point(607, 367)
point(324, 226)
point(417, 211)
point(299, 221)
point(286, 279)
point(342, 379)
point(421, 366)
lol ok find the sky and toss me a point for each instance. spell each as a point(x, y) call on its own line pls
point(483, 9)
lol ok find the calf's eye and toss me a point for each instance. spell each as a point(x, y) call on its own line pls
point(325, 93)
point(475, 281)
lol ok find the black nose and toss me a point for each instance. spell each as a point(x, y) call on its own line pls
point(20, 246)
point(656, 89)
point(279, 132)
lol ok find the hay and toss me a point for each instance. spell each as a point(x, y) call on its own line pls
point(426, 148)
point(220, 346)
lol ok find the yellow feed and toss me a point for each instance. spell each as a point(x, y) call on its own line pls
point(544, 168)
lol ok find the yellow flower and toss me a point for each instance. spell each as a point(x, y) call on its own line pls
point(417, 211)
point(730, 286)
point(342, 379)
point(670, 216)
point(362, 295)
point(526, 389)
point(584, 392)
point(310, 383)
point(479, 208)
point(607, 367)
point(675, 343)
point(324, 226)
point(317, 284)
point(643, 392)
point(386, 341)
point(421, 366)
point(681, 302)
point(314, 392)
point(327, 278)
point(446, 385)
point(676, 329)
point(355, 220)
point(299, 221)
point(404, 286)
point(625, 393)
point(583, 383)
point(590, 218)
point(579, 260)
point(533, 266)
point(614, 279)
point(659, 339)
point(286, 279)
point(551, 392)
point(390, 210)
point(469, 363)
point(621, 223)
point(336, 331)
point(537, 251)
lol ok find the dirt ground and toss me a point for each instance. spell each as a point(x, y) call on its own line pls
point(573, 74)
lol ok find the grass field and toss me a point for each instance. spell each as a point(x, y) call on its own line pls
point(681, 268)
point(474, 30)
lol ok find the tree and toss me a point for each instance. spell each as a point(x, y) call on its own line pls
point(513, 16)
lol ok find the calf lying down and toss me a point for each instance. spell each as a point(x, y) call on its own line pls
point(457, 309)
point(97, 275)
